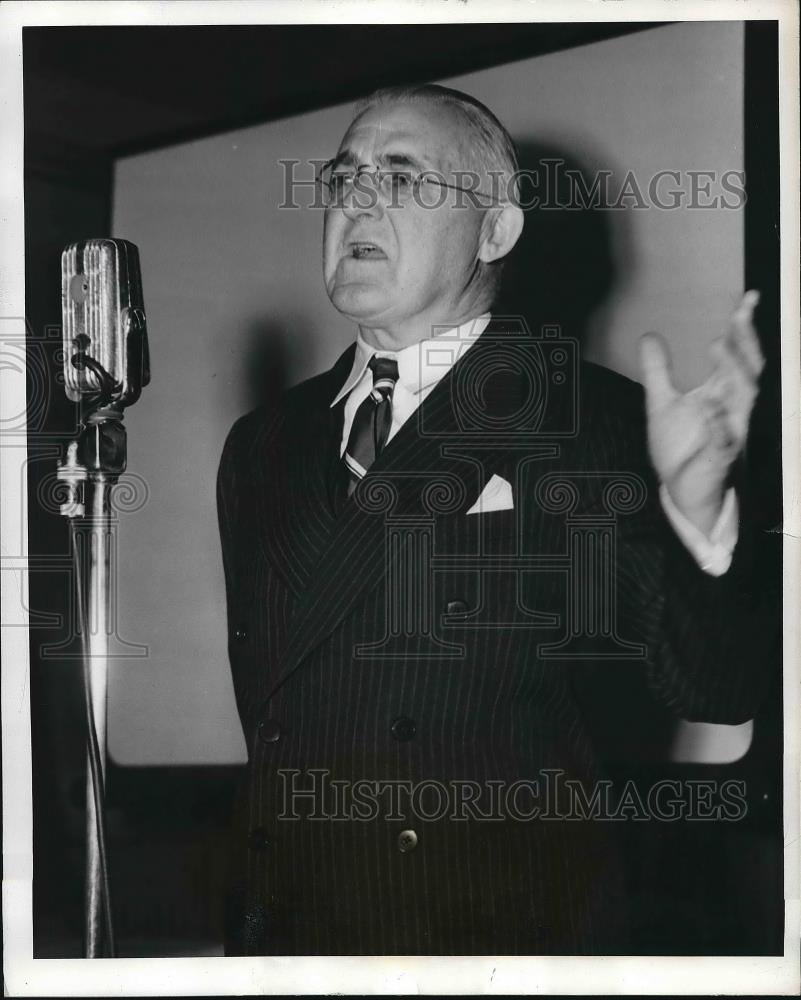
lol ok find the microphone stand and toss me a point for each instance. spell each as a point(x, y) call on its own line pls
point(94, 462)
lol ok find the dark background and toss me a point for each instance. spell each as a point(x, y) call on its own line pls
point(93, 94)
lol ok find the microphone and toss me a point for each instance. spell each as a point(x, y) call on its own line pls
point(106, 364)
point(106, 358)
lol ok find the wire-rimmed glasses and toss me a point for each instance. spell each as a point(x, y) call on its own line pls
point(396, 187)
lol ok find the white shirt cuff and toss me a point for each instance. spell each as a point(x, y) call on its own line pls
point(713, 553)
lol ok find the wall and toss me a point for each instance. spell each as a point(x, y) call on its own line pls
point(236, 307)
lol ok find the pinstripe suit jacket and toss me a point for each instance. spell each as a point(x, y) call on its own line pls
point(391, 637)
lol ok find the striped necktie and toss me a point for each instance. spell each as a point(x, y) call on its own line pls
point(372, 421)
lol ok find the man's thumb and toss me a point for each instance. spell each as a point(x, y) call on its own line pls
point(655, 370)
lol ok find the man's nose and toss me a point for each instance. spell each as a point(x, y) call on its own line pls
point(363, 198)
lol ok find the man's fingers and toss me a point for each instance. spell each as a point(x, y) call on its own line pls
point(737, 362)
point(730, 369)
point(728, 394)
point(655, 371)
point(743, 334)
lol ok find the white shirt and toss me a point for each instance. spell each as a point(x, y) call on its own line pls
point(420, 368)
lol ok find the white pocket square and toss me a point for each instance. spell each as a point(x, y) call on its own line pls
point(496, 495)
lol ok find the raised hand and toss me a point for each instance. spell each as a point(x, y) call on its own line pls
point(694, 437)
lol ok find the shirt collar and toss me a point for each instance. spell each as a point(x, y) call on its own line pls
point(422, 364)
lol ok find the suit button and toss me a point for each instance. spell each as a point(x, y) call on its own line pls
point(240, 633)
point(259, 839)
point(455, 608)
point(269, 731)
point(407, 841)
point(403, 728)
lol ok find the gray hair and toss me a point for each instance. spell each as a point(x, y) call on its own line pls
point(491, 145)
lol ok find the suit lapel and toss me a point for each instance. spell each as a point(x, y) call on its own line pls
point(428, 453)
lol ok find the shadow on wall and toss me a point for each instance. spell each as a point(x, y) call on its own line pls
point(281, 349)
point(571, 260)
point(572, 257)
point(265, 362)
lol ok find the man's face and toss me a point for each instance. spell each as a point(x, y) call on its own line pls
point(425, 258)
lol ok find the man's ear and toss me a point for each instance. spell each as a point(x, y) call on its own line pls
point(501, 229)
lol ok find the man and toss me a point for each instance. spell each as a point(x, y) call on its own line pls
point(430, 546)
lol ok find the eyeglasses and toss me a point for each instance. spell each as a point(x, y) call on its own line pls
point(397, 187)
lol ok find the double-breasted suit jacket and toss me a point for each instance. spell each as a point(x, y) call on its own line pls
point(406, 672)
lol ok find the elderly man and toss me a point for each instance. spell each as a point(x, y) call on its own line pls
point(428, 546)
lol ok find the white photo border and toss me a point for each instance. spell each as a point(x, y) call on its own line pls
point(26, 976)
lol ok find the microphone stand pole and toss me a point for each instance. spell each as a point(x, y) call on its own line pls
point(94, 462)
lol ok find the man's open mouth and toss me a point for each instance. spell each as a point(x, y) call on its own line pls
point(363, 250)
